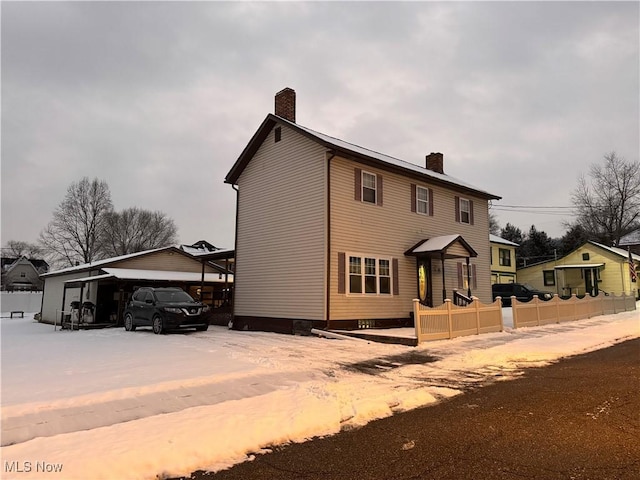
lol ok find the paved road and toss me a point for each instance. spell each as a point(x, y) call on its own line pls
point(577, 419)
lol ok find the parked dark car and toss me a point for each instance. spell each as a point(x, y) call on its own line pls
point(165, 309)
point(522, 291)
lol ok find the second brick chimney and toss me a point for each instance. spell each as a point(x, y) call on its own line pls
point(286, 104)
point(435, 162)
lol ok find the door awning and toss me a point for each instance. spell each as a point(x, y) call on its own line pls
point(581, 265)
point(446, 246)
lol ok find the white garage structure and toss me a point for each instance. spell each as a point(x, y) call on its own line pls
point(95, 294)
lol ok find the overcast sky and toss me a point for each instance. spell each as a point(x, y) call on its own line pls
point(159, 99)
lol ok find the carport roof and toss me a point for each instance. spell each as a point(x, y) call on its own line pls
point(171, 276)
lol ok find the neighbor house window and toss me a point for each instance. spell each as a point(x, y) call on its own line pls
point(277, 134)
point(549, 277)
point(585, 256)
point(23, 274)
point(422, 200)
point(369, 190)
point(505, 257)
point(369, 275)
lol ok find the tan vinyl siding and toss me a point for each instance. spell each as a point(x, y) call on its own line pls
point(169, 261)
point(389, 230)
point(280, 257)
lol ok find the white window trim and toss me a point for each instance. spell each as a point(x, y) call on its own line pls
point(419, 201)
point(375, 187)
point(363, 275)
point(468, 210)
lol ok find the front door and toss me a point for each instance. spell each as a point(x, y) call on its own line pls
point(424, 282)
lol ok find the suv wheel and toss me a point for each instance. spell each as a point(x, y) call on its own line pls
point(128, 323)
point(158, 326)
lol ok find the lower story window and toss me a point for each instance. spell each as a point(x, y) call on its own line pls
point(369, 275)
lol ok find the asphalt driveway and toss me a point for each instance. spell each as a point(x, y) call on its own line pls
point(577, 419)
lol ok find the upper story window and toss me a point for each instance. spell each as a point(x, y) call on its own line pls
point(368, 187)
point(505, 257)
point(422, 200)
point(277, 134)
point(464, 210)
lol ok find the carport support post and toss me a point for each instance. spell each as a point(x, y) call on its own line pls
point(64, 295)
point(202, 282)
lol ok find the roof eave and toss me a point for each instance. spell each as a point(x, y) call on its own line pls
point(269, 122)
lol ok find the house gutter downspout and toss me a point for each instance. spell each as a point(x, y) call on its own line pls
point(331, 154)
point(235, 255)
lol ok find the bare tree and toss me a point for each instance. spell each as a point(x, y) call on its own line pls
point(18, 248)
point(73, 235)
point(494, 225)
point(608, 204)
point(134, 230)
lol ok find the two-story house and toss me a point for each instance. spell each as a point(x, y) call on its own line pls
point(23, 273)
point(503, 260)
point(333, 235)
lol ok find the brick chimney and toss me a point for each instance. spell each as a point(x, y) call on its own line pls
point(435, 162)
point(286, 104)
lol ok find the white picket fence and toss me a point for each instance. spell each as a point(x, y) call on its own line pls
point(450, 321)
point(541, 312)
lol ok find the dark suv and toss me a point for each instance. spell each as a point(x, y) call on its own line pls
point(165, 309)
point(522, 291)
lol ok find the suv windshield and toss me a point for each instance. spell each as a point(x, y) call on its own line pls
point(171, 296)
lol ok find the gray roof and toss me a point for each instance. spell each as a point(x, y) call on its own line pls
point(617, 251)
point(496, 239)
point(632, 238)
point(350, 150)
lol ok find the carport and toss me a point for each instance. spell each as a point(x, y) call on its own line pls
point(114, 286)
point(105, 286)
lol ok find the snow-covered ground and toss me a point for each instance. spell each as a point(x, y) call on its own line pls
point(134, 405)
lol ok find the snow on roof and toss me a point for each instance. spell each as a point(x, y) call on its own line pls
point(341, 144)
point(496, 239)
point(436, 244)
point(201, 253)
point(617, 251)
